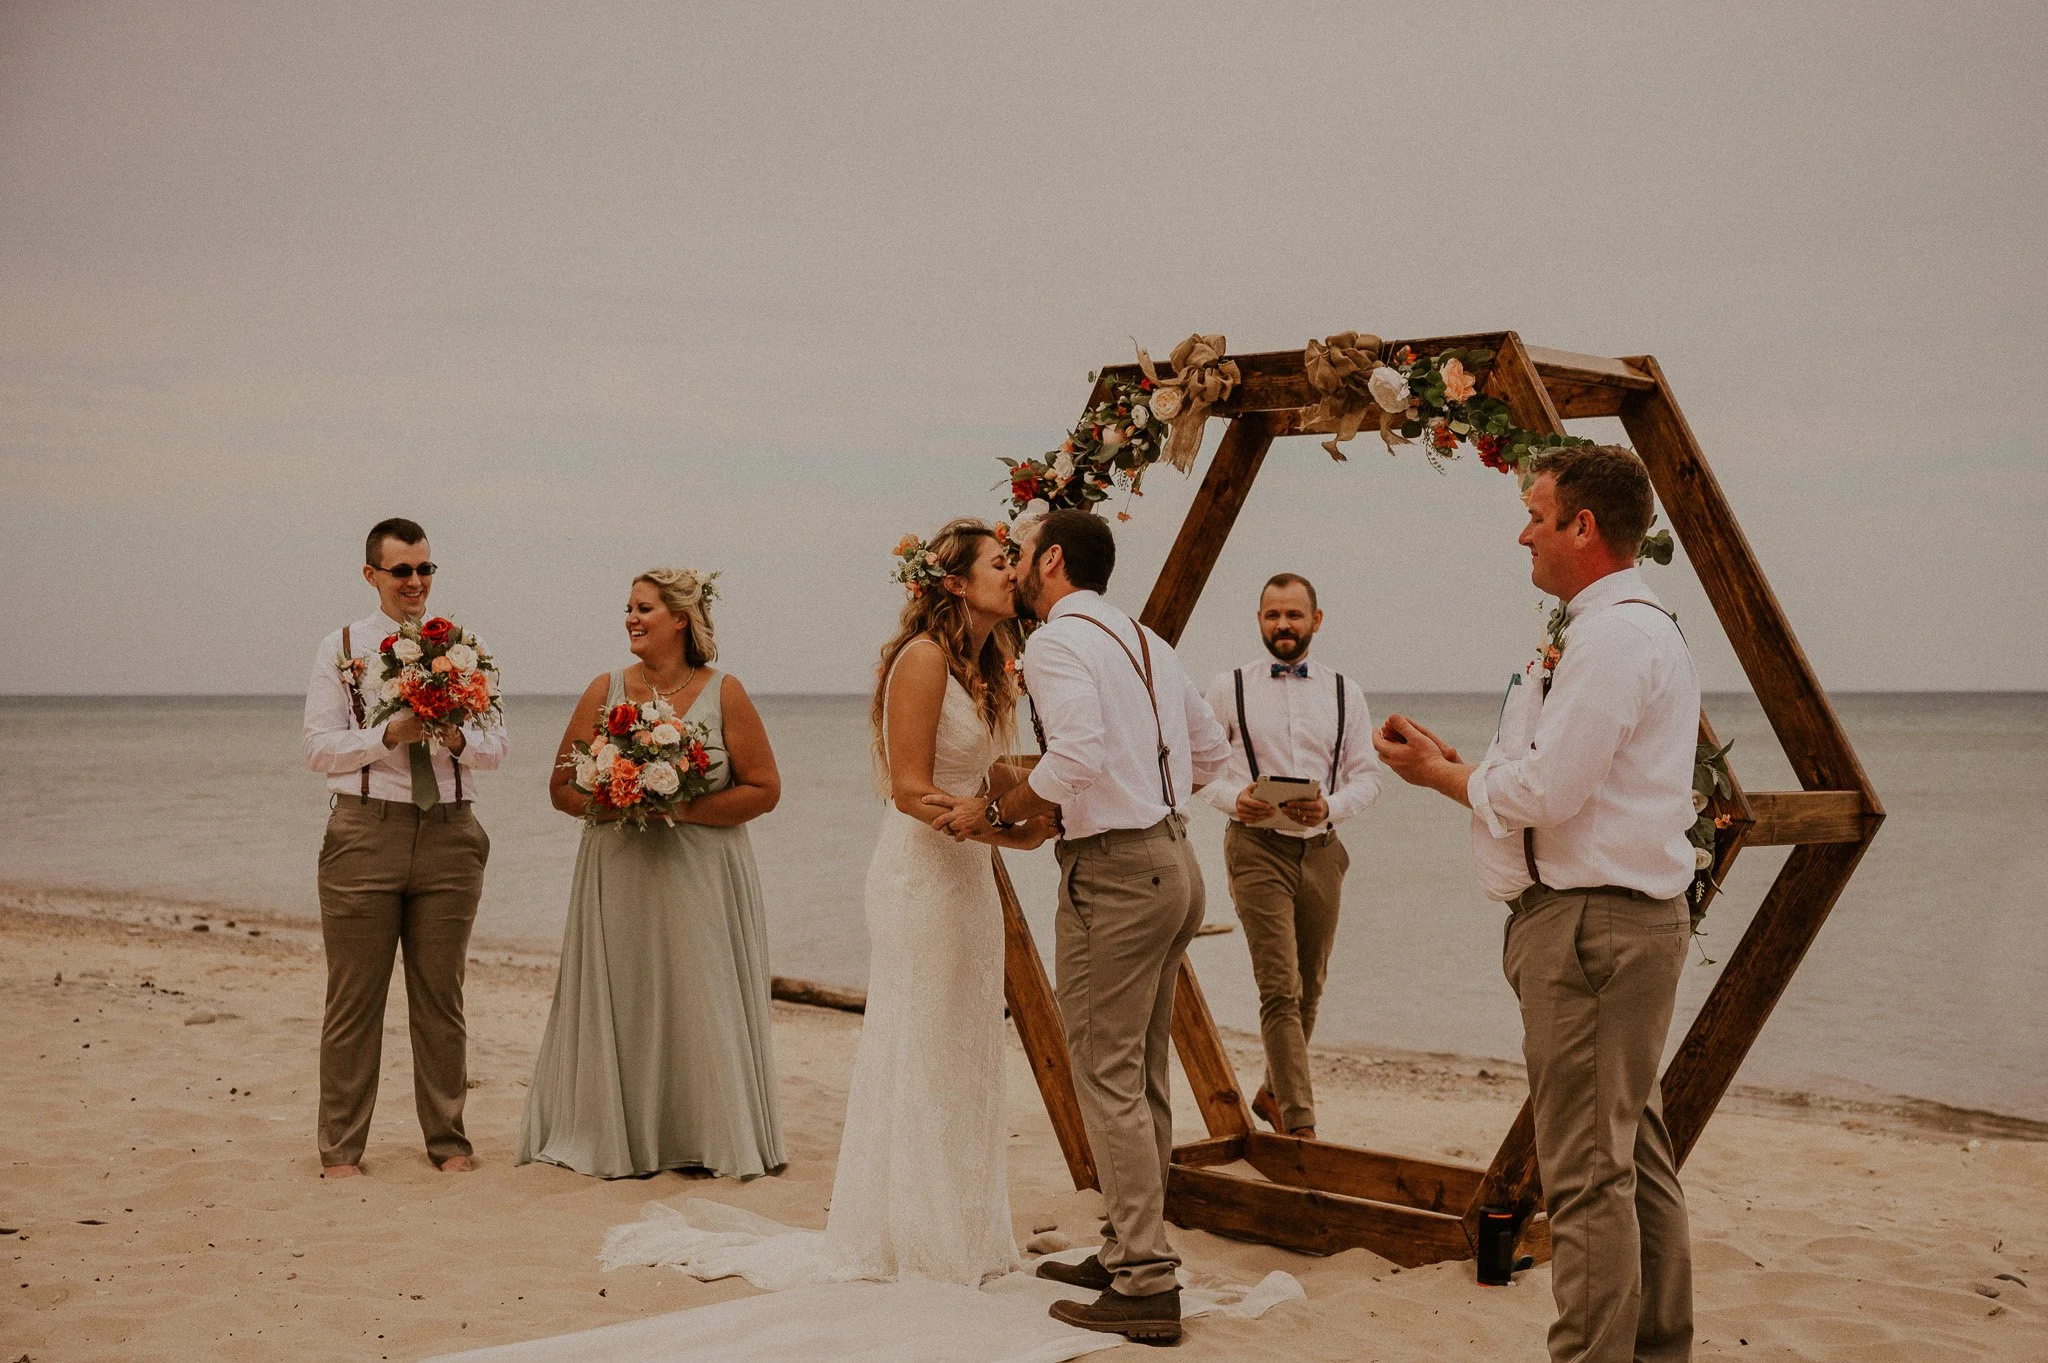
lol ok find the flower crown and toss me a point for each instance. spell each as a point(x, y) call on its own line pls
point(916, 566)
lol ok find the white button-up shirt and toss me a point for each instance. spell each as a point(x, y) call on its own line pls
point(1293, 724)
point(335, 745)
point(1101, 762)
point(1602, 768)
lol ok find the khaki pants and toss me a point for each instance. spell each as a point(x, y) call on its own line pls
point(391, 876)
point(1597, 972)
point(1286, 890)
point(1130, 901)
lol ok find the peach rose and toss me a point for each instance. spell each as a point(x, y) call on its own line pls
point(441, 664)
point(1458, 385)
point(625, 782)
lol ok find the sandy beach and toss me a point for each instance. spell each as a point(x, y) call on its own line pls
point(159, 1198)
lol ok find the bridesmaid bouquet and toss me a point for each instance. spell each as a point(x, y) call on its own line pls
point(436, 669)
point(643, 763)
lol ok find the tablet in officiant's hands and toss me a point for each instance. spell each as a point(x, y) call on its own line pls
point(1283, 790)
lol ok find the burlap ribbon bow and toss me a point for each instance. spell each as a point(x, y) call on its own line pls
point(1201, 379)
point(1340, 368)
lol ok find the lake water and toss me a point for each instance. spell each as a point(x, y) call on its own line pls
point(1927, 981)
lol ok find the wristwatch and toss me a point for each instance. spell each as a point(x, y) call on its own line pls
point(994, 815)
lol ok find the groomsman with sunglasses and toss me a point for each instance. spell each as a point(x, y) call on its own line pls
point(1288, 716)
point(402, 866)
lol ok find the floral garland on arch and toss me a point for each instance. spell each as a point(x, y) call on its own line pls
point(1112, 445)
point(1409, 396)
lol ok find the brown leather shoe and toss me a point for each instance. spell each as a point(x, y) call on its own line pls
point(1143, 1320)
point(1089, 1273)
point(1266, 1108)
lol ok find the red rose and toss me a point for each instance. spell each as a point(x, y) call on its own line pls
point(389, 640)
point(622, 719)
point(438, 630)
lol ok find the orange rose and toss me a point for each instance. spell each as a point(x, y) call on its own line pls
point(625, 782)
point(442, 665)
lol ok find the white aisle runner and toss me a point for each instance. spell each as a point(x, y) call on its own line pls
point(806, 1318)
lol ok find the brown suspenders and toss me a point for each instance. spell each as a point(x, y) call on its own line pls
point(355, 704)
point(1145, 675)
point(1529, 834)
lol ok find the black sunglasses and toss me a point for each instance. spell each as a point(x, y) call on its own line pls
point(406, 570)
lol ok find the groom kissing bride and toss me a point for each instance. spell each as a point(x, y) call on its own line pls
point(921, 1189)
point(1127, 739)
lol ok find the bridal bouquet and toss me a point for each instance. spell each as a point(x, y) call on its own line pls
point(436, 669)
point(643, 763)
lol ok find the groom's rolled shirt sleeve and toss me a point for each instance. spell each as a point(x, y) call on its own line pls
point(1067, 702)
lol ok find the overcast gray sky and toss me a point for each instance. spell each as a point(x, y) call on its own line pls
point(761, 287)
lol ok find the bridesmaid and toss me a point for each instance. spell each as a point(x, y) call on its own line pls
point(657, 1053)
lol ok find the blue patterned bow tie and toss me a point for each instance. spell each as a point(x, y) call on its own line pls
point(1290, 670)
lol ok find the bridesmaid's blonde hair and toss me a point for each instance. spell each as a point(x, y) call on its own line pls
point(688, 593)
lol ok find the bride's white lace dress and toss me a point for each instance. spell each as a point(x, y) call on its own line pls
point(922, 1187)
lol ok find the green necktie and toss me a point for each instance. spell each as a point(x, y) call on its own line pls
point(426, 791)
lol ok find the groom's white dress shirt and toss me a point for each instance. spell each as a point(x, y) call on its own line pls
point(335, 745)
point(1293, 729)
point(1101, 762)
point(1602, 767)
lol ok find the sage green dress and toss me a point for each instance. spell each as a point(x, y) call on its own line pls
point(657, 1054)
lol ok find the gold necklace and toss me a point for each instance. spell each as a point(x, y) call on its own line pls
point(688, 677)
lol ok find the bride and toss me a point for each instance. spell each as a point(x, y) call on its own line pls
point(921, 1188)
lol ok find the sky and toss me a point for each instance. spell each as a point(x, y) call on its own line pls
point(759, 288)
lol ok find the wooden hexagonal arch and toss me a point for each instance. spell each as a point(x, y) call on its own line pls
point(1323, 1197)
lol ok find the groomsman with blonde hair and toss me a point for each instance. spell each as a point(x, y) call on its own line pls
point(1288, 716)
point(402, 866)
point(1580, 813)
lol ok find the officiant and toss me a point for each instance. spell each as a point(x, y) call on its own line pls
point(1288, 716)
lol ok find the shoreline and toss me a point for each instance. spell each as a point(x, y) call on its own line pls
point(1422, 1071)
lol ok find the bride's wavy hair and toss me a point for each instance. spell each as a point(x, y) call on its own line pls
point(942, 615)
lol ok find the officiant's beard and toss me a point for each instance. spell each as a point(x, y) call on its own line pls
point(1285, 646)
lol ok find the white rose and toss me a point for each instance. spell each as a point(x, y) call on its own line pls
point(1063, 466)
point(1699, 802)
point(1037, 506)
point(462, 657)
point(665, 735)
point(606, 755)
point(389, 691)
point(406, 650)
point(1139, 416)
point(660, 778)
point(586, 773)
point(1702, 859)
point(1166, 403)
point(1388, 389)
point(1112, 436)
point(648, 713)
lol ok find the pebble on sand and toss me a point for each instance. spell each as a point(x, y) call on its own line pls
point(199, 1019)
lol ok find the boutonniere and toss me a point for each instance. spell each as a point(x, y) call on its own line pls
point(1553, 642)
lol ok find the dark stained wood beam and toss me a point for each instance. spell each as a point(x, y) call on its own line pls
point(1755, 977)
point(1036, 1015)
point(1210, 1073)
point(1303, 1163)
point(1221, 496)
point(1777, 667)
point(1786, 818)
point(1308, 1220)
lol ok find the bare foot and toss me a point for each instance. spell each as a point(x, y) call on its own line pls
point(341, 1171)
point(456, 1164)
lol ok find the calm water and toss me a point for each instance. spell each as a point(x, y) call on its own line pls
point(1927, 980)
